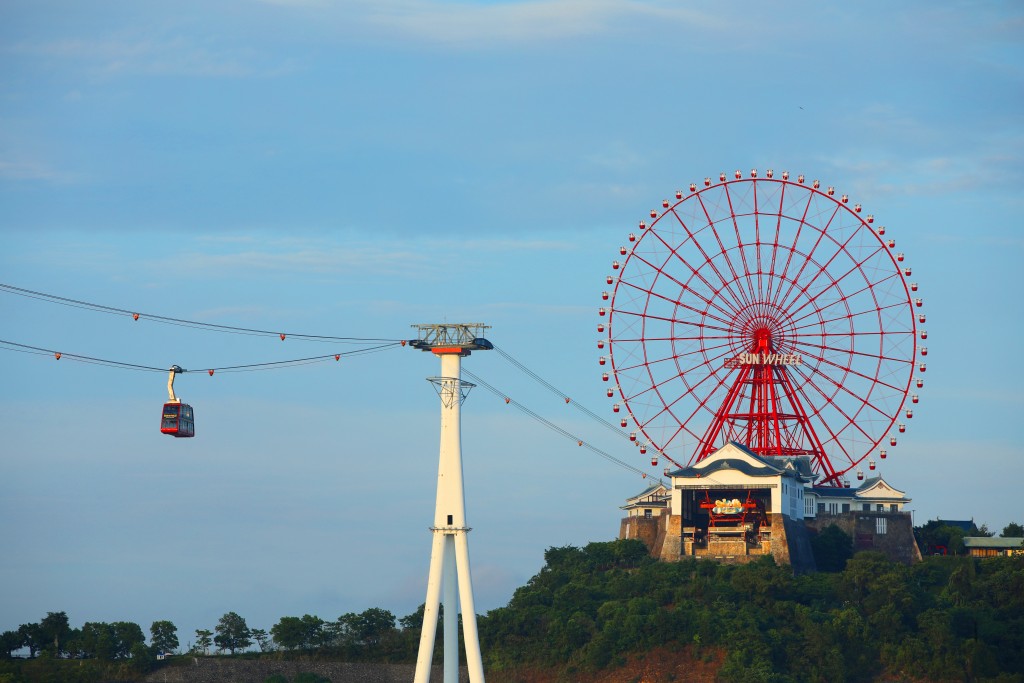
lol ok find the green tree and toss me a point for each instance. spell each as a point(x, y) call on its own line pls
point(289, 633)
point(9, 642)
point(164, 636)
point(54, 629)
point(261, 637)
point(142, 658)
point(127, 634)
point(832, 548)
point(204, 639)
point(96, 640)
point(1013, 530)
point(374, 624)
point(232, 633)
point(935, 535)
point(32, 637)
point(108, 641)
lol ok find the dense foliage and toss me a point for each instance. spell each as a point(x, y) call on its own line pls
point(864, 619)
point(944, 619)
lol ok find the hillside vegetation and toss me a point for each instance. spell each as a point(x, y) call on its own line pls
point(608, 613)
point(592, 608)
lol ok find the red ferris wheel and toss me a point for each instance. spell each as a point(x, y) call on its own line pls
point(767, 311)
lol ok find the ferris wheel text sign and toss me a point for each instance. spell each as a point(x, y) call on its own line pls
point(764, 359)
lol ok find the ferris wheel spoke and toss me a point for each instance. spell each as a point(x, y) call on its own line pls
point(694, 272)
point(725, 313)
point(835, 437)
point(708, 260)
point(808, 260)
point(805, 256)
point(868, 287)
point(860, 354)
point(874, 311)
point(824, 270)
point(842, 387)
point(739, 242)
point(778, 239)
point(740, 296)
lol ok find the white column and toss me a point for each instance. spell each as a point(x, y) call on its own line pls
point(449, 557)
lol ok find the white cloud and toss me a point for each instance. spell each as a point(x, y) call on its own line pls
point(32, 170)
point(174, 56)
point(486, 24)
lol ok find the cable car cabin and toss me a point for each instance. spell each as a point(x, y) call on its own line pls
point(177, 420)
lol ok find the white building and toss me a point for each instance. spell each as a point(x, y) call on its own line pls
point(735, 505)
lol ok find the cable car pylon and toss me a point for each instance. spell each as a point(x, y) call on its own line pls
point(449, 553)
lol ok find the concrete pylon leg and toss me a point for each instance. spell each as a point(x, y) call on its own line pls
point(425, 656)
point(473, 660)
point(451, 612)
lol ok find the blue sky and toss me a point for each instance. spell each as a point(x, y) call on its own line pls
point(351, 169)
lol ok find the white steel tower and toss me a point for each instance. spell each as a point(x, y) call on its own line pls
point(449, 553)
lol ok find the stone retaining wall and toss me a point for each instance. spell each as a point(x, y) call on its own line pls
point(226, 670)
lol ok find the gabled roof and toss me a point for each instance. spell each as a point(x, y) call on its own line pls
point(997, 542)
point(874, 488)
point(649, 491)
point(735, 456)
point(728, 464)
point(880, 488)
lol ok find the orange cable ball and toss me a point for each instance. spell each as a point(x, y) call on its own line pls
point(135, 316)
point(566, 399)
point(337, 356)
point(211, 372)
point(282, 336)
point(403, 342)
point(57, 355)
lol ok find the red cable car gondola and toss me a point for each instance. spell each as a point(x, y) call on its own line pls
point(177, 418)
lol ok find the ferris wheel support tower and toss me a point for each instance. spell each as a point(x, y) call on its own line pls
point(449, 554)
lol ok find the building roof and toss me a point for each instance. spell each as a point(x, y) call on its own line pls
point(756, 466)
point(997, 542)
point(874, 488)
point(728, 464)
point(658, 489)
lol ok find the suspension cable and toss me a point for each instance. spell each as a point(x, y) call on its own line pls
point(578, 406)
point(211, 327)
point(270, 365)
point(555, 428)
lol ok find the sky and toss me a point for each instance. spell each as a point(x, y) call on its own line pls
point(352, 169)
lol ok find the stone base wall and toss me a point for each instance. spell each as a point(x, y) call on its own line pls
point(227, 670)
point(789, 542)
point(897, 543)
point(642, 528)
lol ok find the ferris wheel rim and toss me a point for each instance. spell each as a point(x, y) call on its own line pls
point(766, 296)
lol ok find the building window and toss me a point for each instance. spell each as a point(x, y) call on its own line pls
point(648, 513)
point(881, 507)
point(880, 525)
point(821, 507)
point(894, 507)
point(867, 507)
point(846, 507)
